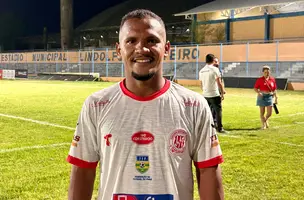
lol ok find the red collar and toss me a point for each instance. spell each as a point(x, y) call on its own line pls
point(148, 98)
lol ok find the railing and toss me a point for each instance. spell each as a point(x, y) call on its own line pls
point(286, 59)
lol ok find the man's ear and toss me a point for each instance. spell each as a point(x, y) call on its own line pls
point(167, 48)
point(118, 50)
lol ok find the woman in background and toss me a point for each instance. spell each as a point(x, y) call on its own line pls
point(265, 87)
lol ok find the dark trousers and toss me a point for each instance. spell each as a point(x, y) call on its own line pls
point(215, 104)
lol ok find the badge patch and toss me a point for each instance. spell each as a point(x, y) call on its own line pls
point(75, 141)
point(142, 164)
point(214, 141)
point(177, 142)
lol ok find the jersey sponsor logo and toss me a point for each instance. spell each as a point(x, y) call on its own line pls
point(190, 103)
point(177, 142)
point(214, 141)
point(75, 141)
point(143, 138)
point(107, 138)
point(143, 197)
point(99, 104)
point(142, 164)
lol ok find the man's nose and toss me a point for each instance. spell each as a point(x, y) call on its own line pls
point(141, 47)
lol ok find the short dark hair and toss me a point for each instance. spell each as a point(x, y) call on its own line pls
point(210, 58)
point(141, 14)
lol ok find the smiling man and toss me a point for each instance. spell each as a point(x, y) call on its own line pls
point(145, 131)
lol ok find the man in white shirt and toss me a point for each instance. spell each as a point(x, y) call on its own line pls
point(145, 132)
point(213, 89)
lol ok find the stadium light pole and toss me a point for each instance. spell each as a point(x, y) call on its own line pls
point(66, 23)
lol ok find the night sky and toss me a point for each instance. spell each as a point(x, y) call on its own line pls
point(28, 17)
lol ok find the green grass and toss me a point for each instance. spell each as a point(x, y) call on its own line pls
point(258, 164)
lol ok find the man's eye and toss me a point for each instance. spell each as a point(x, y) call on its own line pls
point(130, 41)
point(152, 41)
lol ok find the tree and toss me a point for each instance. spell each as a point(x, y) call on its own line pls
point(206, 33)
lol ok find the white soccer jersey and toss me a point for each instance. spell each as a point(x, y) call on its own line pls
point(208, 76)
point(145, 146)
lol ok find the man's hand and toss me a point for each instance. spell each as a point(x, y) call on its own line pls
point(276, 100)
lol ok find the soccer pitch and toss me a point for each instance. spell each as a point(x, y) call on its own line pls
point(37, 119)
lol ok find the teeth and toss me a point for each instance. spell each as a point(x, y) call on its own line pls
point(142, 61)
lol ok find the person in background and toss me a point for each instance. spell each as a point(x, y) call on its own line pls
point(216, 64)
point(265, 87)
point(213, 89)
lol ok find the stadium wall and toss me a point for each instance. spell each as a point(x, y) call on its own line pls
point(286, 60)
point(287, 27)
point(247, 30)
point(259, 27)
point(250, 52)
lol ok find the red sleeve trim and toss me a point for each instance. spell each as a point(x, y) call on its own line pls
point(81, 163)
point(209, 163)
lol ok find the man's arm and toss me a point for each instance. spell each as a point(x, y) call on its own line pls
point(221, 86)
point(209, 182)
point(81, 183)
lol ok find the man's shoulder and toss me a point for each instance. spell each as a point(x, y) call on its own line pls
point(186, 93)
point(104, 94)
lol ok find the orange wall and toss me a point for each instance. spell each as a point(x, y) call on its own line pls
point(287, 27)
point(262, 52)
point(186, 82)
point(234, 52)
point(295, 86)
point(292, 51)
point(247, 30)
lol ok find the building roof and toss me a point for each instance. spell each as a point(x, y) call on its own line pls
point(219, 5)
point(164, 8)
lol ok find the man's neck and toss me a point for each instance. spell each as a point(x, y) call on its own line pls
point(145, 88)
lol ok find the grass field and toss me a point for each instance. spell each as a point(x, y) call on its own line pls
point(259, 164)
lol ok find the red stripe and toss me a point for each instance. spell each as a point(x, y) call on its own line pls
point(148, 98)
point(81, 163)
point(210, 163)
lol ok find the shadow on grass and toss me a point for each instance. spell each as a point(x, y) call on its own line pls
point(243, 129)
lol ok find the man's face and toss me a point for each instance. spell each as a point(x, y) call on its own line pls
point(142, 47)
point(216, 62)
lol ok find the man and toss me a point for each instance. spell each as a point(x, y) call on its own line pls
point(213, 89)
point(216, 64)
point(145, 131)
